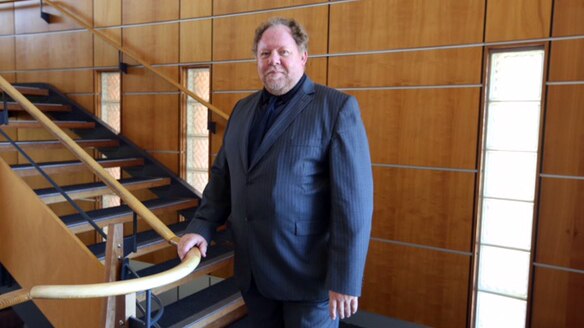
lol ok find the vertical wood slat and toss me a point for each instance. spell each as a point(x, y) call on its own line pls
point(114, 308)
point(518, 19)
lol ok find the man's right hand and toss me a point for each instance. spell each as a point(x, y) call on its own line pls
point(189, 241)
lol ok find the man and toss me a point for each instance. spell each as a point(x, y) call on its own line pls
point(293, 178)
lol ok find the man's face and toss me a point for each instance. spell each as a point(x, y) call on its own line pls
point(280, 62)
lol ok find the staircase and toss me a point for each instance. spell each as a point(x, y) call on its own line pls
point(159, 189)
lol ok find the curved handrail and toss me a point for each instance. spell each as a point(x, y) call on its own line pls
point(188, 264)
point(130, 53)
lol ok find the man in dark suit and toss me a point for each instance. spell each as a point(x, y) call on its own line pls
point(293, 178)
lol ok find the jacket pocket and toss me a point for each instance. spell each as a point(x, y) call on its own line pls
point(309, 227)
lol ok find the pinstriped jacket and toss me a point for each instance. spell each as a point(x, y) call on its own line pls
point(300, 212)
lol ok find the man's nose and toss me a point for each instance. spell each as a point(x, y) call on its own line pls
point(274, 58)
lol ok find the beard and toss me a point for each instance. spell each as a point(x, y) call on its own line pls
point(277, 84)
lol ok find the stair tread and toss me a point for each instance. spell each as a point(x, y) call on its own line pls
point(31, 91)
point(57, 143)
point(103, 214)
point(48, 165)
point(144, 239)
point(91, 185)
point(45, 107)
point(191, 308)
point(19, 124)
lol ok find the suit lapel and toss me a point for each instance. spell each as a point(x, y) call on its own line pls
point(248, 119)
point(289, 113)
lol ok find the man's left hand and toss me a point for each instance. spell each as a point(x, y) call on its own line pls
point(344, 305)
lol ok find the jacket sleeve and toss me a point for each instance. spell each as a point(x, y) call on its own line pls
point(351, 184)
point(215, 205)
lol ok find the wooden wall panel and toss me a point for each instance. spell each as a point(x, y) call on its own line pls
point(518, 19)
point(233, 36)
point(107, 12)
point(10, 77)
point(155, 113)
point(433, 208)
point(426, 127)
point(563, 151)
point(156, 44)
point(195, 8)
point(6, 19)
point(438, 67)
point(28, 20)
point(557, 299)
point(417, 285)
point(568, 17)
point(141, 11)
point(225, 102)
point(567, 62)
point(86, 101)
point(65, 81)
point(63, 50)
point(195, 41)
point(244, 76)
point(7, 62)
point(228, 6)
point(103, 53)
point(561, 221)
point(169, 160)
point(144, 80)
point(388, 24)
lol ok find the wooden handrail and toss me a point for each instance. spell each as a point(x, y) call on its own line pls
point(135, 56)
point(189, 263)
point(101, 173)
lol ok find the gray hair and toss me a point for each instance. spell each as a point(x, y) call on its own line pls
point(298, 32)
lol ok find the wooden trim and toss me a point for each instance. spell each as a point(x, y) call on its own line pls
point(132, 54)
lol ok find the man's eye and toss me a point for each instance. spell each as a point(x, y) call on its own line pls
point(284, 53)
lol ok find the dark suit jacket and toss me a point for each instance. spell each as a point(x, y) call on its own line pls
point(300, 212)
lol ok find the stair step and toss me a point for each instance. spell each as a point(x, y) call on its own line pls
point(51, 144)
point(205, 306)
point(30, 91)
point(218, 255)
point(148, 241)
point(26, 170)
point(45, 107)
point(88, 190)
point(25, 124)
point(122, 214)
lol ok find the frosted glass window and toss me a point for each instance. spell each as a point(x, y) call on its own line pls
point(516, 76)
point(507, 223)
point(516, 126)
point(510, 175)
point(495, 311)
point(197, 143)
point(110, 99)
point(504, 271)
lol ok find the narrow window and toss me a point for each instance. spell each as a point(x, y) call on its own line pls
point(109, 112)
point(197, 134)
point(508, 189)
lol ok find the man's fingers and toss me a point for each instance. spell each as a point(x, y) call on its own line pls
point(333, 309)
point(203, 248)
point(354, 305)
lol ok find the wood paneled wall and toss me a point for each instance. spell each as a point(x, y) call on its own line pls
point(416, 68)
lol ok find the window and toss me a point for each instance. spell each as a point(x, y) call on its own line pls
point(109, 110)
point(197, 134)
point(508, 190)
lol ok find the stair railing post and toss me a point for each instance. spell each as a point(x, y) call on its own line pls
point(115, 312)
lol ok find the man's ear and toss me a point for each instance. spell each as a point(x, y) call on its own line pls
point(304, 57)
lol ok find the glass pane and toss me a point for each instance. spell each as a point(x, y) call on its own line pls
point(507, 223)
point(504, 271)
point(197, 143)
point(110, 100)
point(510, 175)
point(516, 76)
point(513, 126)
point(496, 311)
